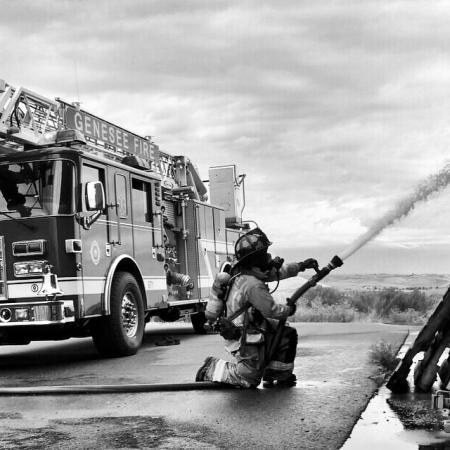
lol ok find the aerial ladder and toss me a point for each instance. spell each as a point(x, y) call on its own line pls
point(30, 120)
point(26, 118)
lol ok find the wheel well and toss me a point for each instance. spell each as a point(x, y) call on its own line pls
point(127, 265)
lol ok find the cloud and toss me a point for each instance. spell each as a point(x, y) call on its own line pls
point(334, 110)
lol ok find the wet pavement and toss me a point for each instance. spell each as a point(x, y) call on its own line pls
point(334, 388)
point(380, 427)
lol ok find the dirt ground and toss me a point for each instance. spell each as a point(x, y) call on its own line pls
point(415, 412)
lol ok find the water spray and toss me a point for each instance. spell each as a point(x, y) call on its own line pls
point(434, 183)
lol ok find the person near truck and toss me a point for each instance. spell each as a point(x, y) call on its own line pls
point(8, 187)
point(253, 316)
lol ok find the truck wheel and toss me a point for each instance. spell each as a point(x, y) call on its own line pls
point(121, 333)
point(198, 321)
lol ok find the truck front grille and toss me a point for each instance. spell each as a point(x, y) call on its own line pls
point(41, 312)
point(3, 293)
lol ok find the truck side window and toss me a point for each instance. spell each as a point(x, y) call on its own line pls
point(91, 173)
point(121, 195)
point(141, 201)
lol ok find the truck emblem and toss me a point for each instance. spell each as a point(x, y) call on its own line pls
point(95, 252)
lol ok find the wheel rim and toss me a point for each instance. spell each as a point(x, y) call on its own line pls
point(129, 314)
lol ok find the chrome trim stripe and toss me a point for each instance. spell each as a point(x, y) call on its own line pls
point(129, 225)
point(3, 270)
point(187, 302)
point(65, 304)
point(74, 286)
point(32, 303)
point(27, 289)
point(37, 322)
point(27, 281)
point(79, 278)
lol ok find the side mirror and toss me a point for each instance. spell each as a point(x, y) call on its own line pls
point(95, 196)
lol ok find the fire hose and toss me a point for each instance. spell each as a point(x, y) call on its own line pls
point(110, 388)
point(335, 262)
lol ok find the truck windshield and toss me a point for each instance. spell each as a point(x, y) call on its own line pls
point(38, 188)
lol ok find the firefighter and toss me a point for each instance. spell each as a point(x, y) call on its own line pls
point(251, 321)
point(8, 187)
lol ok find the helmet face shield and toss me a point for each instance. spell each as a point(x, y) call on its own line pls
point(253, 242)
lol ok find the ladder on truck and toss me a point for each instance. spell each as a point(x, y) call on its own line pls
point(30, 120)
point(26, 118)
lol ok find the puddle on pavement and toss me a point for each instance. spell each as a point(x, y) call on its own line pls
point(379, 427)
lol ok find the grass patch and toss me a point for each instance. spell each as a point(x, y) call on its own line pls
point(415, 413)
point(389, 305)
point(318, 312)
point(384, 355)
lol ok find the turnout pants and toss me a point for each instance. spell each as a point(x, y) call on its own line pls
point(252, 363)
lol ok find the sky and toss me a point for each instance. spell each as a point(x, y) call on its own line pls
point(333, 110)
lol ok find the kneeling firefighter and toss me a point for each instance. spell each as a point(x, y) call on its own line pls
point(251, 318)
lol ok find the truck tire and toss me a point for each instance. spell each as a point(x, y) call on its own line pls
point(198, 320)
point(121, 333)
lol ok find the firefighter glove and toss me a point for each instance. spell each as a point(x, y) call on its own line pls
point(309, 263)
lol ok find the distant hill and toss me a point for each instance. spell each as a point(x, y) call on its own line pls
point(384, 280)
point(432, 283)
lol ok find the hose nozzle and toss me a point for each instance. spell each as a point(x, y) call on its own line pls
point(320, 273)
point(336, 261)
point(324, 271)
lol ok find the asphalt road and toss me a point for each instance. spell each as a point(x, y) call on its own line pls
point(334, 387)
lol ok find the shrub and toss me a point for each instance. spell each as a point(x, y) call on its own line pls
point(408, 317)
point(317, 312)
point(326, 296)
point(390, 303)
point(322, 304)
point(384, 355)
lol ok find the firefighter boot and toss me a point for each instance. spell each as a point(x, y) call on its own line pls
point(202, 373)
point(287, 382)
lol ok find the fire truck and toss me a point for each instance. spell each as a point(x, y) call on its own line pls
point(101, 230)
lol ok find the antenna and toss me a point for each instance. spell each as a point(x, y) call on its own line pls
point(77, 86)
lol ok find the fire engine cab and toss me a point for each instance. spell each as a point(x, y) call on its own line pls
point(100, 230)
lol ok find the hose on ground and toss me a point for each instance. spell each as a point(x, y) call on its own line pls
point(110, 388)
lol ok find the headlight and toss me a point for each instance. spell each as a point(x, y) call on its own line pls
point(21, 314)
point(29, 268)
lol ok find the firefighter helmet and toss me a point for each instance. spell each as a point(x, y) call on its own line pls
point(250, 243)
